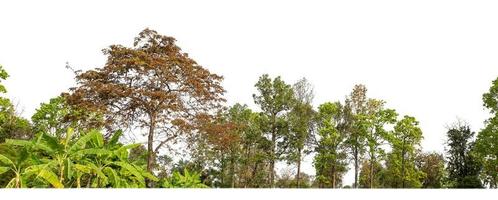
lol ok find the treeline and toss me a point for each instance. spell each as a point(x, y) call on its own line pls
point(154, 90)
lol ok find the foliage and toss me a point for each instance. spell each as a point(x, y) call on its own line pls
point(330, 161)
point(463, 167)
point(185, 180)
point(275, 99)
point(87, 161)
point(152, 85)
point(56, 117)
point(432, 165)
point(405, 141)
point(486, 145)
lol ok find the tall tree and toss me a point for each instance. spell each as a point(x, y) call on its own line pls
point(375, 121)
point(275, 99)
point(486, 147)
point(463, 167)
point(153, 85)
point(405, 144)
point(354, 112)
point(300, 120)
point(331, 159)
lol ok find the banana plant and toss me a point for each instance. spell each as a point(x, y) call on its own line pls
point(187, 180)
point(87, 161)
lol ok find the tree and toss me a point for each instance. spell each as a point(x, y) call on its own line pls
point(153, 85)
point(354, 112)
point(432, 165)
point(330, 160)
point(56, 117)
point(463, 167)
point(486, 146)
point(301, 126)
point(275, 99)
point(11, 124)
point(405, 145)
point(374, 122)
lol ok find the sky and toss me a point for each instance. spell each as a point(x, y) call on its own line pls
point(429, 59)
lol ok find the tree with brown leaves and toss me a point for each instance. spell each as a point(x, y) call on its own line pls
point(152, 85)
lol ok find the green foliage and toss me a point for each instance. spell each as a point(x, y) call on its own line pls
point(11, 125)
point(486, 146)
point(71, 162)
point(275, 99)
point(185, 180)
point(330, 161)
point(405, 141)
point(463, 166)
point(56, 116)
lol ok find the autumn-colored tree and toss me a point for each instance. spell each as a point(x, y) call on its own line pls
point(275, 99)
point(432, 164)
point(152, 85)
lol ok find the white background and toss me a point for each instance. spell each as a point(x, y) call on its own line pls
point(429, 59)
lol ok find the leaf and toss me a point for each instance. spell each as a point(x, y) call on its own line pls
point(4, 169)
point(98, 152)
point(83, 168)
point(69, 135)
point(113, 176)
point(81, 143)
point(131, 169)
point(115, 138)
point(22, 143)
point(47, 175)
point(6, 160)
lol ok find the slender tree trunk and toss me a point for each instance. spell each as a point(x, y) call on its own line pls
point(356, 167)
point(273, 146)
point(298, 175)
point(150, 149)
point(372, 161)
point(333, 177)
point(232, 171)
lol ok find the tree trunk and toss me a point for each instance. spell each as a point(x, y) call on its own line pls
point(273, 146)
point(150, 149)
point(356, 167)
point(333, 176)
point(298, 175)
point(372, 161)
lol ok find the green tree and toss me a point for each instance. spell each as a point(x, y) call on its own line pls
point(11, 124)
point(296, 142)
point(154, 86)
point(374, 121)
point(275, 99)
point(405, 144)
point(463, 167)
point(354, 113)
point(331, 160)
point(57, 116)
point(486, 146)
